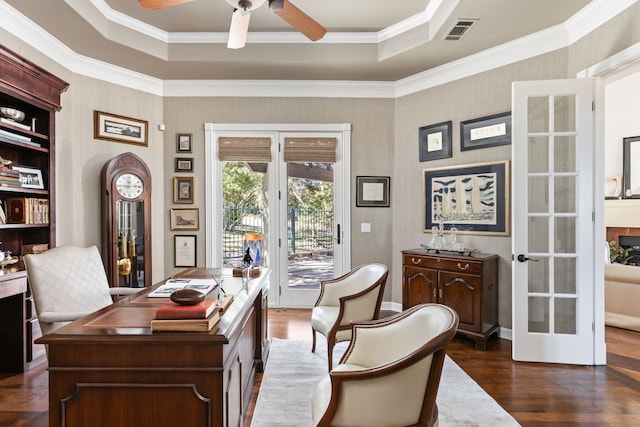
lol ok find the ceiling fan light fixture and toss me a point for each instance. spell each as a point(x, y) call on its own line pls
point(276, 5)
point(239, 29)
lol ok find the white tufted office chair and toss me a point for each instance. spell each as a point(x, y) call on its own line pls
point(356, 295)
point(68, 282)
point(390, 373)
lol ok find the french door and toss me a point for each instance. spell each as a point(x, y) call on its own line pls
point(302, 246)
point(553, 221)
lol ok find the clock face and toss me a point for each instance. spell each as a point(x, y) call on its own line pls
point(129, 185)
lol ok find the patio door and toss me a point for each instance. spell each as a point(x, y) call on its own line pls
point(304, 232)
point(553, 222)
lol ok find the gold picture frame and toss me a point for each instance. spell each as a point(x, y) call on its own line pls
point(116, 128)
point(183, 189)
point(185, 219)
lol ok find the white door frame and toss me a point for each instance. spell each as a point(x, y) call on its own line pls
point(213, 197)
point(601, 73)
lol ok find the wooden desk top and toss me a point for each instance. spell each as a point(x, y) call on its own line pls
point(130, 318)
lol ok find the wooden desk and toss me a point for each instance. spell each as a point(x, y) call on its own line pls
point(109, 369)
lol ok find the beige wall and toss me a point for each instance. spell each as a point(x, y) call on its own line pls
point(384, 142)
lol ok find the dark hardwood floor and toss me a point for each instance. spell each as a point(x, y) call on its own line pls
point(534, 393)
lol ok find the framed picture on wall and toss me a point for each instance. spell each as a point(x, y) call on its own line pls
point(183, 143)
point(183, 189)
point(184, 251)
point(473, 198)
point(489, 131)
point(434, 141)
point(372, 191)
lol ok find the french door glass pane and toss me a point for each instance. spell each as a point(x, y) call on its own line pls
point(565, 275)
point(539, 314)
point(539, 275)
point(538, 234)
point(565, 315)
point(538, 114)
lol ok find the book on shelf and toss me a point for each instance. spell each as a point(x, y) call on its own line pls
point(35, 248)
point(14, 123)
point(14, 136)
point(165, 290)
point(186, 325)
point(171, 310)
point(27, 210)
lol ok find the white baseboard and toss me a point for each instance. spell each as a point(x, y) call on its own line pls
point(504, 333)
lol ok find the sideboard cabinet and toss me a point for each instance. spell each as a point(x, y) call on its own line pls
point(468, 284)
point(27, 219)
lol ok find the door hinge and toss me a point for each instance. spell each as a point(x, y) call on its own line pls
point(593, 105)
point(279, 242)
point(593, 216)
point(279, 196)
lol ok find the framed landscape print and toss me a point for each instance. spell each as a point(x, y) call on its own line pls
point(473, 198)
point(184, 219)
point(112, 127)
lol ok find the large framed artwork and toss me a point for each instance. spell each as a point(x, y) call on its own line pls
point(473, 198)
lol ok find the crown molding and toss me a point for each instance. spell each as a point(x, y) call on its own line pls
point(560, 36)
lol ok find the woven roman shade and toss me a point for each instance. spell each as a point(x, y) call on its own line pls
point(256, 150)
point(318, 150)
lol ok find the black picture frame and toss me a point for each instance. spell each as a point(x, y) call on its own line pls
point(483, 207)
point(489, 131)
point(372, 191)
point(630, 177)
point(184, 164)
point(183, 143)
point(434, 141)
point(184, 250)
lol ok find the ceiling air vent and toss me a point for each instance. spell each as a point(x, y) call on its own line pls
point(459, 29)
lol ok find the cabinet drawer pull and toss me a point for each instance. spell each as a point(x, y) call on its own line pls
point(434, 295)
point(463, 267)
point(416, 261)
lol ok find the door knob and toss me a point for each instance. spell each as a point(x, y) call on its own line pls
point(523, 258)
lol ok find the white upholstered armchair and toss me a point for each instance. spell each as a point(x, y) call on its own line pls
point(356, 295)
point(68, 282)
point(390, 373)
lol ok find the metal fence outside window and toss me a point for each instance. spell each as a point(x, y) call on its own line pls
point(308, 229)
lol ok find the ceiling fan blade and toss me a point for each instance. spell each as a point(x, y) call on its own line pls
point(160, 4)
point(238, 29)
point(301, 21)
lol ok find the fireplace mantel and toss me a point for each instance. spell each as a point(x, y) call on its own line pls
point(622, 213)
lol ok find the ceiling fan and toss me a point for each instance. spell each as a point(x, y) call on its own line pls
point(242, 11)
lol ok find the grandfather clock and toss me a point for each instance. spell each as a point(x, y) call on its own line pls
point(126, 234)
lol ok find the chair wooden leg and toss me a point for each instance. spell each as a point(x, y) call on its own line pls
point(313, 340)
point(330, 343)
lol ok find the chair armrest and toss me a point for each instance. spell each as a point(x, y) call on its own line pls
point(51, 317)
point(122, 290)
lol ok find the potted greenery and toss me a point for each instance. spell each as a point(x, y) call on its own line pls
point(617, 254)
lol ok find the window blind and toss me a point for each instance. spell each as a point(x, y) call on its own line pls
point(244, 149)
point(319, 150)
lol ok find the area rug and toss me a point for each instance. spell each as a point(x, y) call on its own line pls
point(293, 371)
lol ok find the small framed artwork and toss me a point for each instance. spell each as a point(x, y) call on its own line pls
point(488, 131)
point(473, 198)
point(183, 143)
point(183, 189)
point(372, 191)
point(184, 164)
point(630, 174)
point(30, 177)
point(613, 187)
point(184, 251)
point(184, 219)
point(112, 127)
point(434, 141)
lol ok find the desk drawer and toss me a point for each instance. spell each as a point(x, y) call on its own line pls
point(468, 266)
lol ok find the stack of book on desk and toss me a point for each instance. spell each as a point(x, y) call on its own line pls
point(201, 317)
